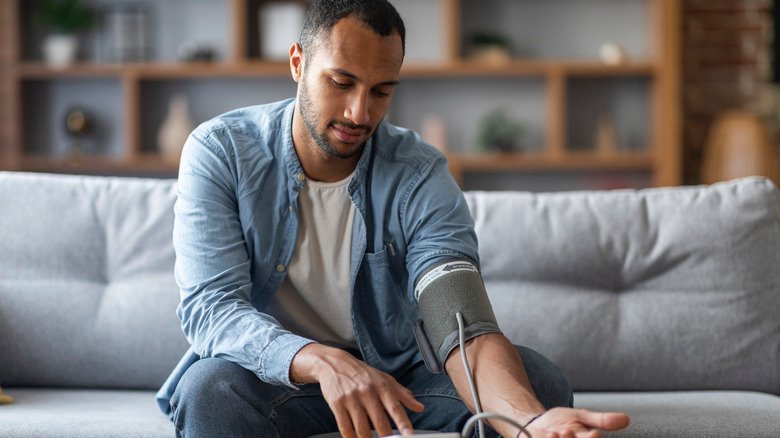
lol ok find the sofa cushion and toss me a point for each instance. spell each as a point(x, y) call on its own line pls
point(87, 293)
point(694, 414)
point(83, 413)
point(658, 289)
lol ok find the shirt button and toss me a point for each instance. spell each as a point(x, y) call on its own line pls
point(301, 177)
point(280, 268)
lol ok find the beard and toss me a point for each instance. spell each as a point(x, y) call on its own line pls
point(310, 120)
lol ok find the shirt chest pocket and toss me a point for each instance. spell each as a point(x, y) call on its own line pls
point(381, 295)
point(382, 305)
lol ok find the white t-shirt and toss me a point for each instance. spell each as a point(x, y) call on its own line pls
point(314, 299)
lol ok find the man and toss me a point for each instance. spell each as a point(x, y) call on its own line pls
point(346, 229)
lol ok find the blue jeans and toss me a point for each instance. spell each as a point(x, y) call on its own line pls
point(216, 397)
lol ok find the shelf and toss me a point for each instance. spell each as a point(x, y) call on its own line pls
point(492, 161)
point(528, 68)
point(592, 68)
point(470, 162)
point(98, 164)
point(201, 70)
point(467, 68)
point(463, 68)
point(33, 70)
point(156, 70)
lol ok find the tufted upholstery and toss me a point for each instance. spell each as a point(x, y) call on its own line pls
point(663, 289)
point(650, 290)
point(87, 294)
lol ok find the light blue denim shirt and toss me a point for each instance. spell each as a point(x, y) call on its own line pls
point(235, 232)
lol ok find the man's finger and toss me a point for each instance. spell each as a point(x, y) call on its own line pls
point(360, 422)
point(604, 420)
point(343, 421)
point(398, 414)
point(378, 418)
point(590, 433)
point(407, 398)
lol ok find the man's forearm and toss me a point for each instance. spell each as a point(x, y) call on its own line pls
point(500, 379)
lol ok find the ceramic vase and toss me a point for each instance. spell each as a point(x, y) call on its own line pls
point(739, 145)
point(606, 135)
point(434, 131)
point(613, 54)
point(59, 50)
point(175, 129)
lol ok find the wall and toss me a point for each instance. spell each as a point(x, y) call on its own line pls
point(727, 57)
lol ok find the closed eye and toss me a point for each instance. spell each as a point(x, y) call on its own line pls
point(342, 85)
point(381, 93)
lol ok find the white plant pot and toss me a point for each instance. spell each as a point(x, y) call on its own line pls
point(60, 50)
point(280, 25)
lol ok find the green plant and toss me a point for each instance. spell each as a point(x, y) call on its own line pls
point(485, 38)
point(499, 131)
point(65, 16)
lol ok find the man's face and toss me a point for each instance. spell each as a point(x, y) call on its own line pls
point(347, 86)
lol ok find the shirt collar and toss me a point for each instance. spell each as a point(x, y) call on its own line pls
point(294, 168)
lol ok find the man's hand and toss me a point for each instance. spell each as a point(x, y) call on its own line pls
point(504, 388)
point(359, 395)
point(579, 423)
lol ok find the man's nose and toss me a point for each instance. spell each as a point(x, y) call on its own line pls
point(357, 109)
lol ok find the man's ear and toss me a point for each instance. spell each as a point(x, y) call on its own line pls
point(296, 61)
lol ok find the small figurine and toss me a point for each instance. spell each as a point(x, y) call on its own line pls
point(77, 125)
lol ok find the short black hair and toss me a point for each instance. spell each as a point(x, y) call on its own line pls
point(379, 15)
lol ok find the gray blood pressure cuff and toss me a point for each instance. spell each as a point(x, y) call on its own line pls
point(443, 291)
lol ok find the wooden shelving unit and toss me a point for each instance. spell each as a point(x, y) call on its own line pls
point(660, 157)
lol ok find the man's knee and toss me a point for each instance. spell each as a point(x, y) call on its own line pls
point(548, 381)
point(216, 394)
point(207, 381)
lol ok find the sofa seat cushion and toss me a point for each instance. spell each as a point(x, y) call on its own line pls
point(690, 414)
point(83, 413)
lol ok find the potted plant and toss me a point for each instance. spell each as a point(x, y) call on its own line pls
point(498, 131)
point(63, 19)
point(490, 47)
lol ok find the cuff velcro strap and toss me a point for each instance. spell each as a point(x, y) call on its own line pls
point(471, 331)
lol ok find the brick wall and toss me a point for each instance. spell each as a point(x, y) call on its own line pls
point(727, 57)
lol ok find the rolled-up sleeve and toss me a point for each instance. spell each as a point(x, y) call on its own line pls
point(213, 268)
